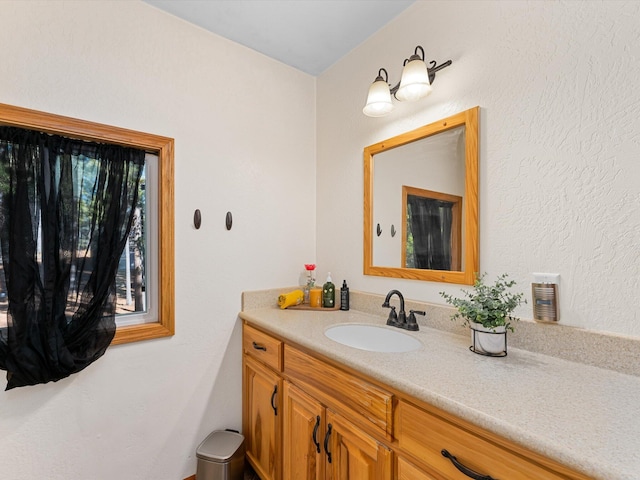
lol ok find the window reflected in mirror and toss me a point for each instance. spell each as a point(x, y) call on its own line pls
point(432, 230)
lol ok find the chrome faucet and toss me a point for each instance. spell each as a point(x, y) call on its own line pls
point(400, 319)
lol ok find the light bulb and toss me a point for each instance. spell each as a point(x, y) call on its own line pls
point(378, 100)
point(414, 83)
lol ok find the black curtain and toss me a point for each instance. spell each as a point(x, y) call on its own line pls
point(431, 222)
point(66, 208)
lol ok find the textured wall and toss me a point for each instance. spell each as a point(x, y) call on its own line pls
point(244, 129)
point(559, 144)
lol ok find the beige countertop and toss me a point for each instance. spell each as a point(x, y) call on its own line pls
point(585, 417)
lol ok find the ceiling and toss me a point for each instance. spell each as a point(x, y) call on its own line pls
point(310, 35)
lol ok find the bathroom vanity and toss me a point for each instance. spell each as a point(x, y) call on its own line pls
point(316, 409)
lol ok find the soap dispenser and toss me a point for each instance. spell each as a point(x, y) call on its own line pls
point(328, 293)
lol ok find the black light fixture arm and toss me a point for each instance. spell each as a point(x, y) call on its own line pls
point(433, 68)
point(386, 75)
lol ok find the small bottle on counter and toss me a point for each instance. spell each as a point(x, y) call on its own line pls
point(344, 296)
point(328, 293)
point(310, 281)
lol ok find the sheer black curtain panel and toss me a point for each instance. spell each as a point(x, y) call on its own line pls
point(66, 208)
point(431, 222)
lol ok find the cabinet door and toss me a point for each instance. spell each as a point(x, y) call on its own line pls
point(303, 432)
point(354, 455)
point(262, 418)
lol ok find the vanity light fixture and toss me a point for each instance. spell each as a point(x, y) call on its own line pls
point(414, 84)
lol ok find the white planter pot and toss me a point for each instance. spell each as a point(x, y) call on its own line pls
point(492, 341)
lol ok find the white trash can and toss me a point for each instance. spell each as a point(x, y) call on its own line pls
point(221, 456)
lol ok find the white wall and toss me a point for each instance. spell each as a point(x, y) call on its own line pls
point(559, 145)
point(244, 129)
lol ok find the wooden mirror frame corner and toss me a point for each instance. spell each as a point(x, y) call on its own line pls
point(470, 242)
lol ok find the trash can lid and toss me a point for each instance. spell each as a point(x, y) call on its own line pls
point(220, 446)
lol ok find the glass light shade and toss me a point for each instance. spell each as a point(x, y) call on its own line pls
point(378, 100)
point(414, 83)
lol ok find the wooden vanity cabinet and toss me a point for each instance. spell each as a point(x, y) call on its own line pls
point(262, 402)
point(295, 423)
point(299, 410)
point(354, 418)
point(319, 444)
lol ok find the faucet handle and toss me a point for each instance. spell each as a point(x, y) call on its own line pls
point(393, 317)
point(412, 324)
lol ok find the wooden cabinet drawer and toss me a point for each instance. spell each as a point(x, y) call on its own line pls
point(262, 347)
point(407, 471)
point(335, 387)
point(425, 435)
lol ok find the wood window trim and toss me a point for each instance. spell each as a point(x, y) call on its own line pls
point(163, 147)
point(456, 220)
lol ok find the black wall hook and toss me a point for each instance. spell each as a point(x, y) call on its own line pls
point(379, 230)
point(197, 219)
point(229, 221)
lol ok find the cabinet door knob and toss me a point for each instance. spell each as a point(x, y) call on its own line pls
point(326, 443)
point(465, 470)
point(315, 433)
point(273, 397)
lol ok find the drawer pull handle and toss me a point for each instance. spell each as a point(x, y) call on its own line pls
point(257, 346)
point(273, 397)
point(315, 433)
point(326, 443)
point(467, 471)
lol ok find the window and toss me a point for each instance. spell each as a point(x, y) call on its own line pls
point(145, 278)
point(432, 229)
point(136, 280)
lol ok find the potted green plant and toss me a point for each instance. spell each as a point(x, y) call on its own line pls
point(487, 310)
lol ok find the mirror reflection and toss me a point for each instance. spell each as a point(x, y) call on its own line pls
point(424, 184)
point(432, 228)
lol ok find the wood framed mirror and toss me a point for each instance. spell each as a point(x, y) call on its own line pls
point(424, 183)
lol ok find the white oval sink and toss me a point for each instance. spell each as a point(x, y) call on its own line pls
point(373, 338)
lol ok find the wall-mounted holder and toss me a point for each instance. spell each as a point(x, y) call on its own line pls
point(544, 292)
point(197, 219)
point(393, 231)
point(545, 302)
point(378, 230)
point(228, 221)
